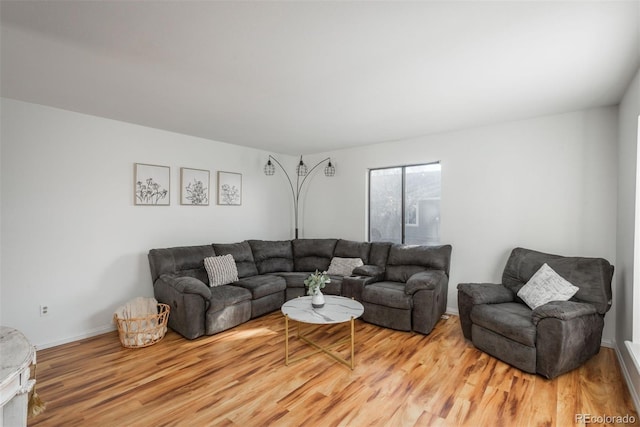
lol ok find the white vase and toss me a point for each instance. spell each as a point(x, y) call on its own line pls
point(317, 300)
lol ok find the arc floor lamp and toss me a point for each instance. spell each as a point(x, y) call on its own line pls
point(301, 171)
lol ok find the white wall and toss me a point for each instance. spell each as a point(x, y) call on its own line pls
point(626, 276)
point(547, 184)
point(71, 236)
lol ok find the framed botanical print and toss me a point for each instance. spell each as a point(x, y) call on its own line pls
point(194, 187)
point(229, 188)
point(151, 184)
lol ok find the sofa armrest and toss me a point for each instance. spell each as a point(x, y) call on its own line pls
point(563, 310)
point(486, 293)
point(369, 270)
point(471, 294)
point(186, 285)
point(424, 280)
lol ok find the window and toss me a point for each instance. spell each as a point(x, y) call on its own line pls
point(404, 204)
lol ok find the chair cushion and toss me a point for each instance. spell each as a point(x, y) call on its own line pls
point(544, 286)
point(389, 294)
point(592, 275)
point(261, 286)
point(511, 320)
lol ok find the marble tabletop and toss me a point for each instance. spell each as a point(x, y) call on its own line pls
point(336, 310)
point(16, 354)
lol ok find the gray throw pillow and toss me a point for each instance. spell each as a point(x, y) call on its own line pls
point(343, 266)
point(221, 270)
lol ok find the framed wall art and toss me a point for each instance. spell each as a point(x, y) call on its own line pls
point(194, 187)
point(151, 185)
point(229, 188)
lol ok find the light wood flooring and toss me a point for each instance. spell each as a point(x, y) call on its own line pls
point(238, 378)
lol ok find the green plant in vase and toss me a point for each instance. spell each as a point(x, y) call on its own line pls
point(315, 282)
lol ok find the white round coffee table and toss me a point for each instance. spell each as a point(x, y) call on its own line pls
point(336, 310)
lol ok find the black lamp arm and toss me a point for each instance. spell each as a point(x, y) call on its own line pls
point(309, 173)
point(298, 188)
point(293, 193)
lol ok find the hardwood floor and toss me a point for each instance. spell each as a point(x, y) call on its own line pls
point(238, 378)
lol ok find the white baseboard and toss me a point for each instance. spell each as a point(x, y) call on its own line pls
point(91, 333)
point(452, 310)
point(607, 343)
point(627, 377)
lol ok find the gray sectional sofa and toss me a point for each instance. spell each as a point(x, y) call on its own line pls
point(401, 287)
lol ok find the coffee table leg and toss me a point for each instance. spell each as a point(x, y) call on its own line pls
point(353, 337)
point(351, 364)
point(286, 340)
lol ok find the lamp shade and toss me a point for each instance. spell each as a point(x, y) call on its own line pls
point(329, 170)
point(269, 168)
point(301, 169)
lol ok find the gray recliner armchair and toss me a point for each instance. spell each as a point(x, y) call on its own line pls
point(411, 293)
point(555, 337)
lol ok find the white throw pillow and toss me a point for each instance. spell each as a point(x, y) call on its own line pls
point(343, 266)
point(544, 286)
point(221, 270)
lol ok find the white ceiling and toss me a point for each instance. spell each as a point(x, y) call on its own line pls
point(311, 76)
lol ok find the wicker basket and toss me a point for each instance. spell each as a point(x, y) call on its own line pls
point(138, 332)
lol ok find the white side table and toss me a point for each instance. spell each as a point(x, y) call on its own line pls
point(16, 356)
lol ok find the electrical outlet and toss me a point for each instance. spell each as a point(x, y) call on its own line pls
point(44, 310)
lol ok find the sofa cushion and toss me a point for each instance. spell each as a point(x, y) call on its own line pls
point(389, 294)
point(226, 295)
point(185, 284)
point(334, 287)
point(312, 254)
point(242, 254)
point(352, 249)
point(369, 270)
point(511, 320)
point(272, 255)
point(545, 286)
point(221, 270)
point(379, 253)
point(343, 266)
point(186, 260)
point(261, 286)
point(294, 279)
point(195, 273)
point(404, 261)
